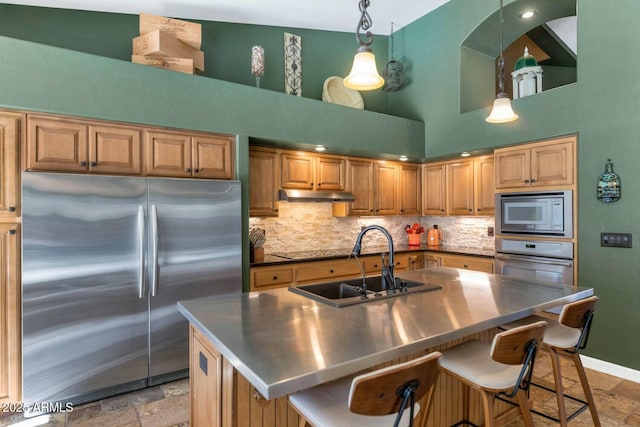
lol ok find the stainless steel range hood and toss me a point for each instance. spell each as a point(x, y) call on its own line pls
point(289, 195)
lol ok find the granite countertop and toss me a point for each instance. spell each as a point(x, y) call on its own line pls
point(326, 254)
point(283, 342)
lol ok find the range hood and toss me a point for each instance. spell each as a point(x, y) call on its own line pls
point(289, 195)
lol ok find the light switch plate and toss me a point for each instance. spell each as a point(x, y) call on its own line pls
point(616, 240)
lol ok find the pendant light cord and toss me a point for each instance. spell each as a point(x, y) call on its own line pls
point(501, 60)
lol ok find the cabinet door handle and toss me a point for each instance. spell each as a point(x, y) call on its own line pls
point(92, 164)
point(83, 163)
point(470, 210)
point(526, 181)
point(465, 266)
point(196, 170)
point(275, 277)
point(11, 209)
point(401, 210)
point(311, 184)
point(331, 271)
point(319, 184)
point(12, 231)
point(533, 180)
point(188, 170)
point(441, 210)
point(479, 209)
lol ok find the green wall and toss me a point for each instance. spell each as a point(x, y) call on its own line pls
point(227, 47)
point(602, 107)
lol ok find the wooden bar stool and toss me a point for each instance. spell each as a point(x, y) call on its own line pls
point(377, 398)
point(504, 367)
point(566, 337)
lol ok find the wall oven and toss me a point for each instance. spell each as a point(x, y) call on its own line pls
point(545, 261)
point(547, 213)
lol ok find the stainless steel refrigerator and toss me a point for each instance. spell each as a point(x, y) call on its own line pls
point(104, 261)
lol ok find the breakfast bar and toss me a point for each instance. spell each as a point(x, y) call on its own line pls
point(250, 350)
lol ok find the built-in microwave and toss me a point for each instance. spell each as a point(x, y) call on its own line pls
point(548, 213)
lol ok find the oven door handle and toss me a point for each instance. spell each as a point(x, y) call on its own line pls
point(535, 259)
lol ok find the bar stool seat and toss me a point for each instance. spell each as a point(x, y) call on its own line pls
point(372, 399)
point(504, 367)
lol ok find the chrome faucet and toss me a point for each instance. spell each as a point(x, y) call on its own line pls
point(388, 278)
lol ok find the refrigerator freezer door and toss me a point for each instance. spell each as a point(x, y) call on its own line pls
point(85, 326)
point(195, 235)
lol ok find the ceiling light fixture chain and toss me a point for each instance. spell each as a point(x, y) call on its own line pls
point(364, 24)
point(501, 92)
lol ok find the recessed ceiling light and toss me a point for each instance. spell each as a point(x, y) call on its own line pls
point(403, 158)
point(465, 154)
point(528, 14)
point(320, 148)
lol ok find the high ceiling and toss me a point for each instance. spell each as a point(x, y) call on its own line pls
point(333, 15)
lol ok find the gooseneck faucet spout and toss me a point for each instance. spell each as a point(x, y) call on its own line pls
point(388, 278)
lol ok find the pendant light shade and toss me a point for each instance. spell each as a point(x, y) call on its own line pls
point(364, 73)
point(501, 111)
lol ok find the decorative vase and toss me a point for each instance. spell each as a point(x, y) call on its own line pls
point(414, 239)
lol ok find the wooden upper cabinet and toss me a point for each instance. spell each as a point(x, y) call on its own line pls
point(460, 188)
point(484, 185)
point(298, 170)
point(10, 318)
point(330, 173)
point(56, 145)
point(544, 164)
point(410, 189)
point(9, 182)
point(385, 177)
point(70, 145)
point(168, 154)
point(264, 178)
point(434, 197)
point(213, 156)
point(374, 185)
point(309, 171)
point(360, 184)
point(553, 163)
point(115, 150)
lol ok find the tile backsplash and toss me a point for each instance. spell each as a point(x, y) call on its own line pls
point(311, 226)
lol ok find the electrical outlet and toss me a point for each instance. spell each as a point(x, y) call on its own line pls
point(616, 240)
point(490, 231)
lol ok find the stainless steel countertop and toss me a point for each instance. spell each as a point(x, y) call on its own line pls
point(283, 342)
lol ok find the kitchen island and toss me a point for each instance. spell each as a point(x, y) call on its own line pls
point(250, 351)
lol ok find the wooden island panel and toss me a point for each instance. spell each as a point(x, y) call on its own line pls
point(231, 401)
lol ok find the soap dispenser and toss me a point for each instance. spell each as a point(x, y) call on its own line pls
point(433, 236)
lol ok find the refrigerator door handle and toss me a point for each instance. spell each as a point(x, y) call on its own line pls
point(141, 240)
point(154, 250)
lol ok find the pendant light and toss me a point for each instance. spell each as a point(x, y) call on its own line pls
point(502, 111)
point(364, 73)
point(394, 71)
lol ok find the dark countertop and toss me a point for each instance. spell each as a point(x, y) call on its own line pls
point(322, 255)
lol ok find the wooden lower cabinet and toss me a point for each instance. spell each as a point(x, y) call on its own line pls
point(291, 274)
point(468, 262)
point(223, 397)
point(282, 275)
point(10, 301)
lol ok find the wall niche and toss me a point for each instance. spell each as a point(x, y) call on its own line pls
point(550, 37)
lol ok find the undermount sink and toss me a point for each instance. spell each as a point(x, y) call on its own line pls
point(350, 291)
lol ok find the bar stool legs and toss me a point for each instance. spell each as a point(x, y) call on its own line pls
point(560, 395)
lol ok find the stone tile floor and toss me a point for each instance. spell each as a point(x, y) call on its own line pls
point(167, 405)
